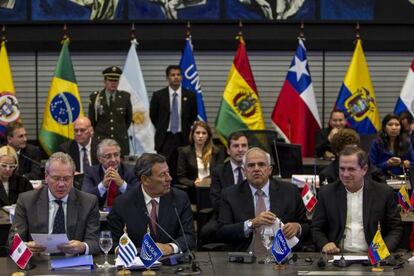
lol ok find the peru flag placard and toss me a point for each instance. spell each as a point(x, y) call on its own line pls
point(19, 252)
point(308, 198)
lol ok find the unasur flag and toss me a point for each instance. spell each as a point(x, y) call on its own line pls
point(63, 105)
point(191, 80)
point(141, 131)
point(295, 114)
point(280, 247)
point(240, 107)
point(406, 100)
point(356, 97)
point(9, 105)
point(150, 253)
point(377, 250)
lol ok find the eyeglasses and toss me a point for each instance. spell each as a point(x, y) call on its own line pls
point(65, 179)
point(111, 155)
point(8, 166)
point(261, 165)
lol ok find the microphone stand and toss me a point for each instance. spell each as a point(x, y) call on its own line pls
point(342, 262)
point(279, 173)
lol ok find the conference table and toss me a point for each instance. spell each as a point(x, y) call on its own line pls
point(216, 263)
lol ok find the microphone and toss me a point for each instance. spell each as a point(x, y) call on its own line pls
point(342, 262)
point(322, 260)
point(162, 229)
point(30, 159)
point(195, 269)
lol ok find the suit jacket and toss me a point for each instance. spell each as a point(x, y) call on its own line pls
point(17, 185)
point(82, 217)
point(71, 148)
point(111, 121)
point(237, 206)
point(95, 174)
point(379, 205)
point(160, 114)
point(322, 143)
point(221, 177)
point(187, 169)
point(27, 168)
point(129, 209)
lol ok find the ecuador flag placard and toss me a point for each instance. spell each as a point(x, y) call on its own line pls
point(240, 107)
point(356, 97)
point(377, 250)
point(63, 105)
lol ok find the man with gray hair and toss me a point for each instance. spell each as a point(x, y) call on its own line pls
point(248, 207)
point(111, 177)
point(58, 208)
point(154, 206)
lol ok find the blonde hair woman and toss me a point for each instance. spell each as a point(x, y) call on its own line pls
point(11, 184)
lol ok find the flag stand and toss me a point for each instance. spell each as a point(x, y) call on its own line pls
point(18, 273)
point(124, 272)
point(279, 267)
point(149, 272)
point(377, 268)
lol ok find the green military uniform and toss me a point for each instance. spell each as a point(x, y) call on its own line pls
point(111, 121)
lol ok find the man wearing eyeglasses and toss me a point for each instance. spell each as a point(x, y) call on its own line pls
point(110, 177)
point(248, 207)
point(57, 208)
point(83, 148)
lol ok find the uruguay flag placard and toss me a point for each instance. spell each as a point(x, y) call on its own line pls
point(150, 252)
point(280, 248)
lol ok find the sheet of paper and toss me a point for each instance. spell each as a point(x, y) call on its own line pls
point(137, 263)
point(350, 258)
point(50, 241)
point(292, 241)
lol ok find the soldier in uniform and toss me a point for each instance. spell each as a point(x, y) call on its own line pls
point(110, 110)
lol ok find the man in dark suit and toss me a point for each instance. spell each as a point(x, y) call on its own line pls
point(323, 138)
point(83, 148)
point(110, 177)
point(58, 208)
point(29, 155)
point(110, 110)
point(257, 202)
point(154, 202)
point(172, 111)
point(349, 211)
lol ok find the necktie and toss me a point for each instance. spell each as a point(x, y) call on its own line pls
point(85, 159)
point(258, 248)
point(112, 192)
point(239, 175)
point(153, 215)
point(111, 100)
point(59, 223)
point(174, 114)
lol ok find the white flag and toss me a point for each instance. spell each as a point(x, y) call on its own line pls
point(141, 131)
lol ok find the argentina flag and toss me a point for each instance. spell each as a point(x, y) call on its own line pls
point(150, 253)
point(191, 80)
point(127, 250)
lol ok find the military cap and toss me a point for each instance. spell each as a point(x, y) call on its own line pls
point(112, 73)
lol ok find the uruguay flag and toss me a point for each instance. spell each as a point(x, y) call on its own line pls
point(295, 114)
point(191, 80)
point(406, 100)
point(357, 96)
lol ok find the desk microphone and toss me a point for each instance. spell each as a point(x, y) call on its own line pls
point(342, 262)
point(322, 260)
point(195, 269)
point(30, 159)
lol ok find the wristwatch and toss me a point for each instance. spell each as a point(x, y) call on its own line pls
point(250, 224)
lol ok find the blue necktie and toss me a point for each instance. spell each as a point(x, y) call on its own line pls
point(239, 175)
point(174, 114)
point(59, 223)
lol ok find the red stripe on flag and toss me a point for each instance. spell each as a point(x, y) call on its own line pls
point(242, 64)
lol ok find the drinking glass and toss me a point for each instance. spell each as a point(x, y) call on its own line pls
point(105, 243)
point(268, 236)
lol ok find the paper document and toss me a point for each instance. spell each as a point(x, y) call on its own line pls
point(350, 258)
point(137, 264)
point(292, 241)
point(50, 241)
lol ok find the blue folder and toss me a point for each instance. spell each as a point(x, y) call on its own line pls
point(83, 262)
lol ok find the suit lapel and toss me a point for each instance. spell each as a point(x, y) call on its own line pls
point(228, 175)
point(247, 200)
point(341, 198)
point(75, 150)
point(275, 200)
point(141, 207)
point(3, 196)
point(366, 203)
point(43, 212)
point(72, 214)
point(163, 212)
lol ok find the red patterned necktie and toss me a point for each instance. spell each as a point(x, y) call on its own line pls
point(112, 192)
point(153, 215)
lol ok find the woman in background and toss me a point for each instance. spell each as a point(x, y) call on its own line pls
point(11, 184)
point(391, 151)
point(196, 160)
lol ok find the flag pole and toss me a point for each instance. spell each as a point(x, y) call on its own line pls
point(3, 33)
point(302, 31)
point(124, 271)
point(135, 119)
point(357, 33)
point(188, 30)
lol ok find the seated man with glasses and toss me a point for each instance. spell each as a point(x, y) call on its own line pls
point(58, 208)
point(11, 184)
point(111, 177)
point(83, 148)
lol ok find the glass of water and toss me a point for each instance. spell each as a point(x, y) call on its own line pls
point(105, 243)
point(268, 236)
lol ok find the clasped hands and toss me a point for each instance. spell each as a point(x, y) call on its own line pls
point(290, 229)
point(72, 247)
point(112, 174)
